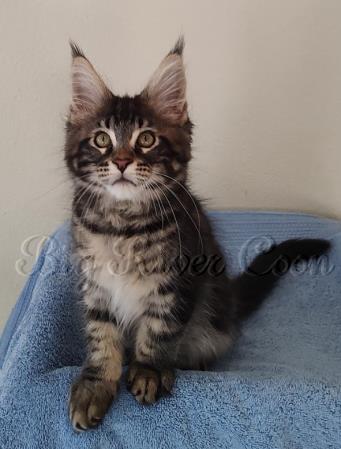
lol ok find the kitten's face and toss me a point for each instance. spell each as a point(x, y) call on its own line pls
point(128, 147)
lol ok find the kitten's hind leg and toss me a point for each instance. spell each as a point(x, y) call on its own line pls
point(203, 344)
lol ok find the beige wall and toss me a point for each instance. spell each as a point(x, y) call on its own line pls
point(264, 89)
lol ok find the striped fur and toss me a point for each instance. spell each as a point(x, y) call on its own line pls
point(133, 229)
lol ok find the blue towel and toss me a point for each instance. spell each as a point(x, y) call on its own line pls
point(278, 388)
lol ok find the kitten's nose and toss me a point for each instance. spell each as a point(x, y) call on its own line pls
point(122, 164)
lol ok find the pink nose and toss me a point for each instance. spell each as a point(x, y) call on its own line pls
point(122, 164)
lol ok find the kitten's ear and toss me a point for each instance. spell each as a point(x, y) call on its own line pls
point(89, 93)
point(166, 90)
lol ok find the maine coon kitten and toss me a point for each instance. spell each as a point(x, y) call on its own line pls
point(152, 275)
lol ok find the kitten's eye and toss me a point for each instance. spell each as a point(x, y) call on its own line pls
point(102, 140)
point(146, 139)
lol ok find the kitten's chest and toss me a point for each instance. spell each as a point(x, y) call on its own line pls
point(116, 266)
point(116, 256)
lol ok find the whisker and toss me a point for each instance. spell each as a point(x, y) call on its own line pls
point(176, 221)
point(185, 189)
point(42, 195)
point(189, 215)
point(148, 191)
point(88, 202)
point(83, 190)
point(158, 200)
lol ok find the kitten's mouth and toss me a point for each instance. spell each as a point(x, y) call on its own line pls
point(122, 181)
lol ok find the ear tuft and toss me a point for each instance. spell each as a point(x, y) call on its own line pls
point(89, 93)
point(75, 49)
point(179, 46)
point(166, 89)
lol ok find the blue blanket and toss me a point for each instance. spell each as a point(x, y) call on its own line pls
point(279, 388)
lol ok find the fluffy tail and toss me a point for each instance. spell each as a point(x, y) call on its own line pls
point(253, 286)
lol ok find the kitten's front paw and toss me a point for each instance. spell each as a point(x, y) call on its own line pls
point(147, 383)
point(89, 402)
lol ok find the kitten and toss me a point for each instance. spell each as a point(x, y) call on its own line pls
point(153, 280)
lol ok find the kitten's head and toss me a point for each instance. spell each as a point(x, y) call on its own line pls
point(126, 147)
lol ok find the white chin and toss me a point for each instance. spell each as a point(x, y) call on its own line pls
point(121, 192)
